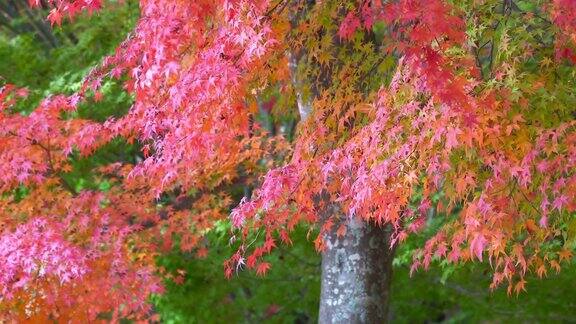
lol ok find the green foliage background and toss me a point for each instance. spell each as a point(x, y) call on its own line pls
point(289, 293)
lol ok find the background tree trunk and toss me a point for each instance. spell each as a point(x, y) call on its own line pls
point(17, 17)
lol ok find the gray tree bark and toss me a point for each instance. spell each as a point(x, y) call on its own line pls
point(356, 275)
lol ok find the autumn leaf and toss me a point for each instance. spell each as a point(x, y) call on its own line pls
point(262, 268)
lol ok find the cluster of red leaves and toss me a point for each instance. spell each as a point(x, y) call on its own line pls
point(191, 67)
point(188, 65)
point(67, 257)
point(362, 18)
point(61, 8)
point(9, 94)
point(461, 140)
point(563, 15)
point(62, 251)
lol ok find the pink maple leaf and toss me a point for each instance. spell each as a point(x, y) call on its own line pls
point(559, 202)
point(477, 246)
point(349, 26)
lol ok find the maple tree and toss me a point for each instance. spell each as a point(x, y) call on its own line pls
point(409, 110)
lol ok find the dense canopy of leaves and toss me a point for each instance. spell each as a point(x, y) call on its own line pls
point(420, 110)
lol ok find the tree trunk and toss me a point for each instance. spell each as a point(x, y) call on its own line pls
point(356, 267)
point(43, 29)
point(356, 275)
